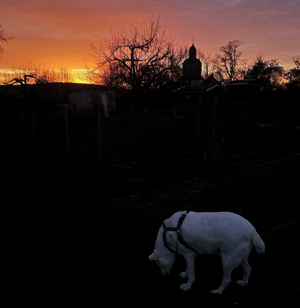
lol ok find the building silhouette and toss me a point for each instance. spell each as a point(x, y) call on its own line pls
point(193, 87)
point(192, 68)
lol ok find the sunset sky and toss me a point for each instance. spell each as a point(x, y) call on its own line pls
point(57, 33)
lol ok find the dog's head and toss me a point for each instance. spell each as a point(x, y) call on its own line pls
point(164, 261)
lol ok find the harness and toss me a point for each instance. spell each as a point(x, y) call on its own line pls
point(179, 236)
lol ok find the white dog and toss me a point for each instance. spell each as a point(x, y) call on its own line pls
point(191, 233)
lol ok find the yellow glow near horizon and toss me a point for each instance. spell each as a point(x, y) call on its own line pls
point(74, 75)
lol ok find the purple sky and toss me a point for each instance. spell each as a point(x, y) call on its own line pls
point(57, 33)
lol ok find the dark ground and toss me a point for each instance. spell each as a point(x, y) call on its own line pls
point(80, 248)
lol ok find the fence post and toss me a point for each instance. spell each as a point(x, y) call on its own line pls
point(205, 132)
point(66, 120)
point(33, 133)
point(100, 136)
point(199, 135)
point(281, 126)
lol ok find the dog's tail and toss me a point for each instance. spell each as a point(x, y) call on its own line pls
point(258, 243)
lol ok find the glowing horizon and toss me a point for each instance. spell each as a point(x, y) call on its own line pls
point(75, 75)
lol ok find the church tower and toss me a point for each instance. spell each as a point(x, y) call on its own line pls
point(192, 68)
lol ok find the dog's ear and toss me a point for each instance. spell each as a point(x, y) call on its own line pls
point(152, 257)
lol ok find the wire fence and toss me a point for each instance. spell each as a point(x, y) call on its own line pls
point(262, 127)
point(205, 133)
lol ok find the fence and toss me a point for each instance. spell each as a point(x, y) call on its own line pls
point(203, 133)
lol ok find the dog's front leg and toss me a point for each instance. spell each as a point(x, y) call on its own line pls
point(190, 272)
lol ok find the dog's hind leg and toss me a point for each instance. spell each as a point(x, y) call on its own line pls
point(228, 266)
point(247, 271)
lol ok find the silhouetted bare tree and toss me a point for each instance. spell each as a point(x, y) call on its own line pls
point(229, 65)
point(270, 73)
point(207, 63)
point(3, 39)
point(141, 57)
point(29, 77)
point(28, 84)
point(293, 75)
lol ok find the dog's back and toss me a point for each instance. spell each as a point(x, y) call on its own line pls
point(216, 232)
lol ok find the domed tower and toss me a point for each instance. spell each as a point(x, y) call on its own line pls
point(192, 67)
point(192, 52)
